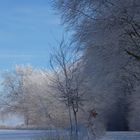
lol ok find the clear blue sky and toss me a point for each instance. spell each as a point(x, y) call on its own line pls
point(28, 30)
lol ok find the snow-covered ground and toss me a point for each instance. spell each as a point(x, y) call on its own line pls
point(37, 134)
point(22, 134)
point(122, 136)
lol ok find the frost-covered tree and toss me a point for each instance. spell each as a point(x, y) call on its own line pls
point(26, 94)
point(16, 92)
point(67, 65)
point(109, 30)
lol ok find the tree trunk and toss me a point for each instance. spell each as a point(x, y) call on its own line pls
point(76, 122)
point(70, 119)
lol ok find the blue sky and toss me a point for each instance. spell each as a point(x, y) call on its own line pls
point(28, 30)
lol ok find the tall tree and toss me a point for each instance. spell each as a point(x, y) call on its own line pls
point(66, 65)
point(109, 31)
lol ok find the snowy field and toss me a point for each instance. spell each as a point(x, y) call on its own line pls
point(22, 134)
point(122, 136)
point(45, 135)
